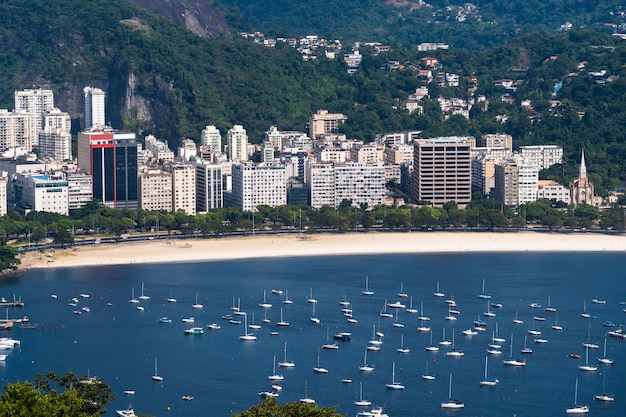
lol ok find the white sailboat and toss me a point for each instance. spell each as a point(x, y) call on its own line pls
point(487, 381)
point(444, 341)
point(451, 403)
point(516, 320)
point(432, 347)
point(402, 349)
point(427, 376)
point(438, 293)
point(306, 399)
point(274, 376)
point(197, 305)
point(489, 313)
point(287, 300)
point(422, 318)
point(328, 344)
point(585, 314)
point(318, 368)
point(314, 318)
point(156, 376)
point(603, 396)
point(410, 308)
point(577, 408)
point(383, 312)
point(171, 299)
point(143, 296)
point(361, 402)
point(374, 341)
point(394, 384)
point(402, 294)
point(511, 361)
point(367, 290)
point(604, 359)
point(483, 294)
point(281, 322)
point(253, 325)
point(396, 323)
point(587, 366)
point(248, 337)
point(311, 299)
point(549, 307)
point(556, 325)
point(285, 363)
point(526, 350)
point(366, 367)
point(132, 297)
point(455, 352)
point(265, 304)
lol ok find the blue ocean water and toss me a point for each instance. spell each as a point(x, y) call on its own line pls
point(119, 343)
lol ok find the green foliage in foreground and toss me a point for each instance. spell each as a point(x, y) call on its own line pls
point(270, 408)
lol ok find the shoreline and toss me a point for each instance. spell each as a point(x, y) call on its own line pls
point(321, 244)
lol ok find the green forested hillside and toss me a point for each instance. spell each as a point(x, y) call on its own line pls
point(183, 82)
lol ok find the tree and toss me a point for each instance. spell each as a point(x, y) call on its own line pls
point(64, 237)
point(270, 408)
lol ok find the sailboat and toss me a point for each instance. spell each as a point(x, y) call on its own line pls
point(402, 349)
point(274, 376)
point(197, 305)
point(254, 326)
point(513, 361)
point(375, 341)
point(556, 325)
point(586, 366)
point(483, 294)
point(246, 336)
point(438, 293)
point(516, 320)
point(171, 299)
point(396, 324)
point(306, 399)
point(318, 368)
point(367, 290)
point(282, 323)
point(526, 350)
point(402, 294)
point(451, 403)
point(311, 299)
point(577, 409)
point(366, 367)
point(603, 396)
point(410, 308)
point(143, 296)
point(422, 318)
point(132, 297)
point(455, 352)
point(237, 311)
point(361, 402)
point(265, 304)
point(265, 319)
point(588, 343)
point(604, 359)
point(383, 312)
point(487, 381)
point(285, 363)
point(394, 384)
point(427, 376)
point(549, 307)
point(432, 348)
point(489, 313)
point(156, 376)
point(313, 318)
point(444, 341)
point(328, 345)
point(585, 314)
point(287, 300)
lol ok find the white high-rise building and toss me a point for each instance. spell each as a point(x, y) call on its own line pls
point(209, 187)
point(255, 185)
point(211, 138)
point(94, 108)
point(183, 187)
point(155, 190)
point(36, 102)
point(18, 129)
point(544, 156)
point(44, 193)
point(275, 137)
point(528, 183)
point(55, 144)
point(238, 144)
point(57, 119)
point(80, 189)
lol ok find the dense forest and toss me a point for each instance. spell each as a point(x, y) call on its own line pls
point(162, 79)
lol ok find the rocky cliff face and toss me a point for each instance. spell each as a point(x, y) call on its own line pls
point(199, 16)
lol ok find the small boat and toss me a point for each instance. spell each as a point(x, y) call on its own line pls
point(277, 291)
point(194, 331)
point(234, 321)
point(444, 341)
point(426, 375)
point(422, 318)
point(487, 381)
point(265, 304)
point(156, 376)
point(598, 301)
point(86, 309)
point(274, 376)
point(574, 355)
point(451, 403)
point(129, 392)
point(367, 290)
point(604, 396)
point(246, 337)
point(496, 305)
point(470, 332)
point(511, 361)
point(396, 324)
point(311, 299)
point(432, 347)
point(438, 293)
point(83, 295)
point(549, 307)
point(188, 319)
point(374, 340)
point(540, 340)
point(395, 385)
point(128, 412)
point(366, 367)
point(132, 297)
point(281, 322)
point(197, 305)
point(287, 300)
point(319, 369)
point(402, 294)
point(608, 323)
point(410, 308)
point(140, 308)
point(402, 349)
point(539, 318)
point(53, 296)
point(343, 336)
point(397, 304)
point(384, 313)
point(165, 320)
point(253, 325)
point(186, 398)
point(526, 350)
point(604, 359)
point(455, 352)
point(313, 317)
point(328, 345)
point(577, 408)
point(535, 305)
point(143, 296)
point(361, 402)
point(587, 366)
point(585, 314)
point(484, 295)
point(556, 325)
point(213, 326)
point(306, 399)
point(489, 313)
point(285, 363)
point(516, 320)
point(346, 381)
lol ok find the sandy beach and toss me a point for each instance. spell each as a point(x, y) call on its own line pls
point(264, 246)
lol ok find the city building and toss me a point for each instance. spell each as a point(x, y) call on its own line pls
point(18, 130)
point(323, 122)
point(209, 186)
point(35, 102)
point(552, 190)
point(159, 150)
point(368, 154)
point(211, 138)
point(110, 157)
point(79, 189)
point(187, 150)
point(183, 187)
point(498, 140)
point(275, 137)
point(506, 178)
point(155, 190)
point(320, 178)
point(582, 190)
point(528, 183)
point(41, 192)
point(55, 144)
point(544, 156)
point(255, 185)
point(399, 154)
point(94, 108)
point(237, 144)
point(442, 170)
point(267, 152)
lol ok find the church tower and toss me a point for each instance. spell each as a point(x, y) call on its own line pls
point(581, 190)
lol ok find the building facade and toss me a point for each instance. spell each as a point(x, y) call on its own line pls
point(43, 193)
point(79, 190)
point(155, 190)
point(211, 138)
point(582, 190)
point(237, 144)
point(442, 170)
point(552, 190)
point(183, 187)
point(209, 187)
point(94, 108)
point(544, 156)
point(323, 122)
point(255, 185)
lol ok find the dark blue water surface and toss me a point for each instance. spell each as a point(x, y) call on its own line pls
point(224, 375)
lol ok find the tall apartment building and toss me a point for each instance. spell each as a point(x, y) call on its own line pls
point(55, 144)
point(155, 190)
point(544, 156)
point(18, 129)
point(442, 170)
point(211, 138)
point(528, 183)
point(110, 157)
point(209, 187)
point(275, 137)
point(94, 108)
point(358, 182)
point(399, 154)
point(498, 140)
point(255, 185)
point(237, 144)
point(79, 189)
point(367, 154)
point(36, 102)
point(57, 119)
point(183, 187)
point(323, 122)
point(506, 188)
point(267, 152)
